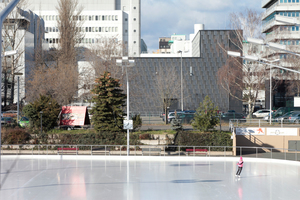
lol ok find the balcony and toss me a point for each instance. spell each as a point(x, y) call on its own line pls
point(264, 3)
point(269, 11)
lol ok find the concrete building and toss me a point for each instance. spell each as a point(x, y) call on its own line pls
point(282, 33)
point(164, 45)
point(102, 18)
point(199, 76)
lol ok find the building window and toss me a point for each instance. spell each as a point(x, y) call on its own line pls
point(134, 8)
point(134, 42)
point(116, 17)
point(116, 29)
point(134, 19)
point(96, 17)
point(125, 19)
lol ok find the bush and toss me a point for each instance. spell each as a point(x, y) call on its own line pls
point(15, 135)
point(137, 122)
point(205, 116)
point(190, 138)
point(103, 138)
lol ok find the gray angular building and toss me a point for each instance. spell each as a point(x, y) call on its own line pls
point(153, 76)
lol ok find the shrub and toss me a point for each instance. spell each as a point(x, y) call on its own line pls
point(205, 116)
point(137, 122)
point(15, 135)
point(189, 138)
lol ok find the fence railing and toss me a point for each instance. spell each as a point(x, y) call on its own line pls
point(151, 150)
point(261, 122)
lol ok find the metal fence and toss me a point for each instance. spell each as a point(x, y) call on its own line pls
point(261, 122)
point(152, 150)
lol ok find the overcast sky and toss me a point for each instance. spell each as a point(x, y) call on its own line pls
point(162, 18)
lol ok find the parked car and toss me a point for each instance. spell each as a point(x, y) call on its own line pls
point(294, 118)
point(285, 117)
point(261, 113)
point(226, 117)
point(281, 111)
point(24, 122)
point(171, 115)
point(7, 121)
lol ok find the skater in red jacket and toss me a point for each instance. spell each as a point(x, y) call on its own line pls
point(240, 165)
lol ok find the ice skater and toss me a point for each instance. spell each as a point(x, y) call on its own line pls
point(240, 166)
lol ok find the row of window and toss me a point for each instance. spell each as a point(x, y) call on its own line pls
point(86, 29)
point(83, 40)
point(288, 14)
point(84, 17)
point(290, 42)
point(289, 28)
point(289, 1)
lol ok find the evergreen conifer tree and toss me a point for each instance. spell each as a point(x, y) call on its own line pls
point(206, 115)
point(109, 100)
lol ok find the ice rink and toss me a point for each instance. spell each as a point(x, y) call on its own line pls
point(153, 178)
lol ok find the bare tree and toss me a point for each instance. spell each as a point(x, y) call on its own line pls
point(167, 86)
point(70, 33)
point(56, 71)
point(103, 53)
point(237, 75)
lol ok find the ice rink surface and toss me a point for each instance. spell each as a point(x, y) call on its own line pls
point(146, 178)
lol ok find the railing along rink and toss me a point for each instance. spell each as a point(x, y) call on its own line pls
point(136, 150)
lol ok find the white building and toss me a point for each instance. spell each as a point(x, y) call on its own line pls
point(178, 43)
point(277, 31)
point(102, 18)
point(25, 29)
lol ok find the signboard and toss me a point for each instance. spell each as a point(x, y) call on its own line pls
point(250, 131)
point(74, 116)
point(296, 101)
point(128, 124)
point(282, 131)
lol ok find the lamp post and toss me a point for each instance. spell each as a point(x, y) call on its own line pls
point(256, 59)
point(124, 62)
point(181, 89)
point(41, 112)
point(18, 104)
point(3, 14)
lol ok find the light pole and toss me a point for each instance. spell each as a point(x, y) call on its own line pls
point(181, 88)
point(256, 59)
point(128, 124)
point(41, 112)
point(18, 104)
point(3, 14)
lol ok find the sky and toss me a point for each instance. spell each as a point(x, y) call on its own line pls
point(162, 18)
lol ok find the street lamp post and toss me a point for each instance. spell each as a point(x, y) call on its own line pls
point(124, 62)
point(3, 14)
point(41, 112)
point(18, 104)
point(181, 88)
